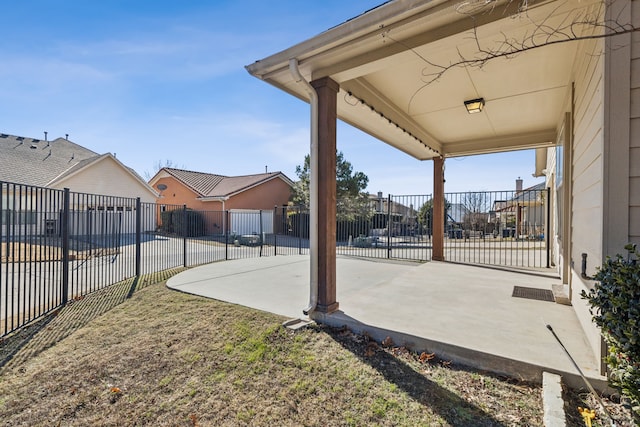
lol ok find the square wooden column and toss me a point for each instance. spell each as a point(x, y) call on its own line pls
point(327, 91)
point(437, 253)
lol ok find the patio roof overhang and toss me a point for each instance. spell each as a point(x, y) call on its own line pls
point(382, 62)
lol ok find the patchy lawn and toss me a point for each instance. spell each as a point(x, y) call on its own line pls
point(50, 249)
point(166, 358)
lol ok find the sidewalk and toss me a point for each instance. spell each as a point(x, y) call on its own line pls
point(462, 313)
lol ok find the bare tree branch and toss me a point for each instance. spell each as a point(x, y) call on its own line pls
point(573, 28)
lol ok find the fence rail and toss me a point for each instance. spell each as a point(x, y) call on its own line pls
point(57, 245)
point(506, 228)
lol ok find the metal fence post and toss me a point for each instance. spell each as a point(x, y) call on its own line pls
point(226, 233)
point(184, 235)
point(299, 217)
point(64, 224)
point(261, 232)
point(389, 226)
point(138, 235)
point(547, 233)
point(275, 230)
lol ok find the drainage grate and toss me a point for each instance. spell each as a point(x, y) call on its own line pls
point(533, 293)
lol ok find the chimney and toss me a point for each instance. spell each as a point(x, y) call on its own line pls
point(45, 135)
point(66, 136)
point(518, 185)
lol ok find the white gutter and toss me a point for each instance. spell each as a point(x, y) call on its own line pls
point(313, 186)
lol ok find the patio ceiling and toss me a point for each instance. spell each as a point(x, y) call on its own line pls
point(381, 61)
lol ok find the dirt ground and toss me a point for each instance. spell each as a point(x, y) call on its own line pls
point(49, 251)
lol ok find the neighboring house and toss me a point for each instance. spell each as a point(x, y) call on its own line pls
point(217, 193)
point(529, 208)
point(387, 72)
point(379, 204)
point(61, 164)
point(523, 215)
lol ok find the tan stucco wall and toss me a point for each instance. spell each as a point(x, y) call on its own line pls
point(265, 196)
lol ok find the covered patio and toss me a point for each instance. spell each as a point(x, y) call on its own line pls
point(437, 80)
point(463, 314)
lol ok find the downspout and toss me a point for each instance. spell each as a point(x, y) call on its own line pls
point(313, 186)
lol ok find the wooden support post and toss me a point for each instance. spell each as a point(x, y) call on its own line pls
point(438, 209)
point(327, 91)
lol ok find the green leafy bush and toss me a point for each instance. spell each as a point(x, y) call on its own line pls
point(187, 223)
point(615, 307)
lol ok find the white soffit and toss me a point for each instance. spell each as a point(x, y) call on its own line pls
point(386, 65)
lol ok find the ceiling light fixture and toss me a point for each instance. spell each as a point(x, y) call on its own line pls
point(474, 105)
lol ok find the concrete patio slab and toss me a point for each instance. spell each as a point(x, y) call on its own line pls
point(460, 312)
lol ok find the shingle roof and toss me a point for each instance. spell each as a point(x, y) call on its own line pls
point(530, 194)
point(200, 182)
point(37, 162)
point(212, 185)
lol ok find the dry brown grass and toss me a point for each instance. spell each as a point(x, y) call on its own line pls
point(38, 252)
point(166, 358)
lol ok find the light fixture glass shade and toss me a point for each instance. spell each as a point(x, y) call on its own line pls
point(474, 105)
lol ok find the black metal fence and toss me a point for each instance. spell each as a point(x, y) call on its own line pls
point(57, 245)
point(394, 227)
point(502, 228)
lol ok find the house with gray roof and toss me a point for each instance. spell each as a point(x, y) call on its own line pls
point(61, 163)
point(28, 164)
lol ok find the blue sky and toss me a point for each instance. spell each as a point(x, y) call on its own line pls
point(154, 80)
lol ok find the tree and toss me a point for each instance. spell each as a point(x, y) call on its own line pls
point(159, 164)
point(425, 214)
point(350, 186)
point(476, 210)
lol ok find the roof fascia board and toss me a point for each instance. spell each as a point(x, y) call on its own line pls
point(518, 141)
point(118, 162)
point(61, 178)
point(340, 34)
point(213, 199)
point(160, 174)
point(168, 171)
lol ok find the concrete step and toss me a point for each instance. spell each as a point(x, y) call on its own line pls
point(561, 294)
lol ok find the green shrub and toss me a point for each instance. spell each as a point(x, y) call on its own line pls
point(165, 218)
point(188, 223)
point(615, 307)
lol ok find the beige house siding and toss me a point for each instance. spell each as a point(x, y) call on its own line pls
point(634, 139)
point(588, 143)
point(106, 177)
point(587, 216)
